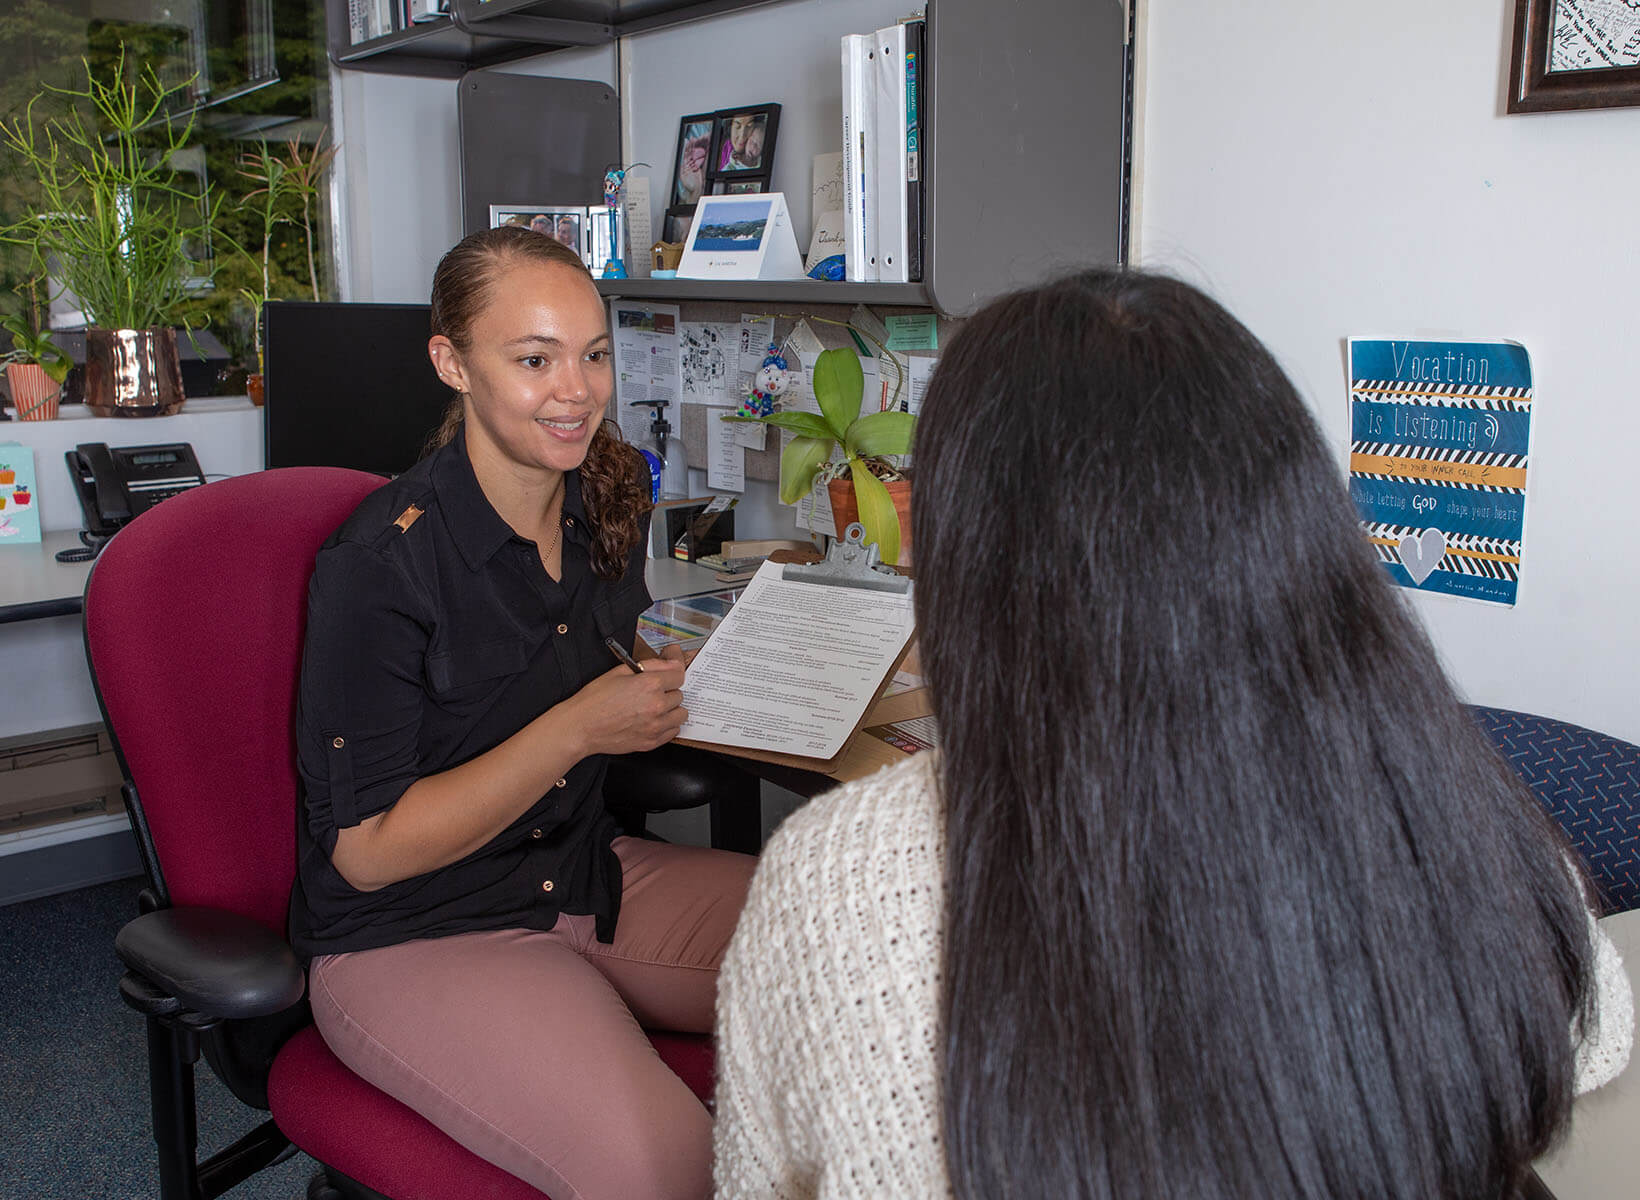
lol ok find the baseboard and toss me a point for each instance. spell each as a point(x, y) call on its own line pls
point(66, 865)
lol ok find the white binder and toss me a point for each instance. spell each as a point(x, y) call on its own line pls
point(859, 164)
point(889, 103)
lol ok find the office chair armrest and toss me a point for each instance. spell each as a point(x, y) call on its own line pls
point(669, 777)
point(216, 963)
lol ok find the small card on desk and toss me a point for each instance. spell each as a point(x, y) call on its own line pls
point(19, 502)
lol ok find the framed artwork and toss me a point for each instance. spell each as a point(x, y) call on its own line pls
point(743, 142)
point(1571, 54)
point(566, 223)
point(694, 155)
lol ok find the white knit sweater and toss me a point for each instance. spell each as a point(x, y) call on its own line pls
point(828, 1003)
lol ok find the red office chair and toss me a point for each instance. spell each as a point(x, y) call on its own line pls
point(194, 617)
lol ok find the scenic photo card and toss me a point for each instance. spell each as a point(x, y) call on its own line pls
point(741, 237)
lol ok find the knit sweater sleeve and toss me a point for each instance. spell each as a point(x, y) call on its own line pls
point(1605, 1042)
point(827, 1005)
point(755, 1148)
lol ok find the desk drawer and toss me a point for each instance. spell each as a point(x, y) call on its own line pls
point(61, 776)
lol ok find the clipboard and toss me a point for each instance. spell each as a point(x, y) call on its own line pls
point(855, 566)
point(860, 756)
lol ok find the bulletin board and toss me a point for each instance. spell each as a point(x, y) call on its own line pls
point(765, 464)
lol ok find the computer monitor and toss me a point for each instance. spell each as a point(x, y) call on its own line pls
point(348, 385)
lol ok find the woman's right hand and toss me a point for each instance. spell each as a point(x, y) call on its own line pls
point(620, 712)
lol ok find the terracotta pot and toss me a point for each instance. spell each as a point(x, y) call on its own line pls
point(132, 372)
point(845, 510)
point(34, 394)
point(253, 387)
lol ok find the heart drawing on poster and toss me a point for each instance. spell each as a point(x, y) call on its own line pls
point(1422, 554)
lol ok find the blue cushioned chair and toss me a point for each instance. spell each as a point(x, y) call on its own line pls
point(1590, 783)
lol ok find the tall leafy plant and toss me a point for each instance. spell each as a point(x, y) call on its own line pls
point(116, 219)
point(839, 388)
point(286, 192)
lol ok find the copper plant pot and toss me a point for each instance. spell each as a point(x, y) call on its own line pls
point(132, 372)
point(34, 394)
point(845, 510)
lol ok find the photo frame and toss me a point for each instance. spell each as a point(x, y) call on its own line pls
point(1563, 59)
point(696, 140)
point(743, 142)
point(740, 187)
point(675, 227)
point(566, 223)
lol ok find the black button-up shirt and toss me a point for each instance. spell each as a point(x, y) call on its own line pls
point(431, 638)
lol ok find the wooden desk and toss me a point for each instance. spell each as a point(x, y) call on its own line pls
point(1601, 1157)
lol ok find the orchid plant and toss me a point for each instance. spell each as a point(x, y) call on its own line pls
point(866, 441)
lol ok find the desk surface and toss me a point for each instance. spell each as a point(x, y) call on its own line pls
point(33, 584)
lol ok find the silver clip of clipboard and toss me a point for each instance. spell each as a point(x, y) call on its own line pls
point(850, 563)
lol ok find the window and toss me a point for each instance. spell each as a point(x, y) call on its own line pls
point(255, 75)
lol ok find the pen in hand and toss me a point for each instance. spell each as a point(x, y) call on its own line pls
point(620, 652)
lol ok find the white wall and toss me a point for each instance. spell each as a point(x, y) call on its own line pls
point(1330, 170)
point(398, 183)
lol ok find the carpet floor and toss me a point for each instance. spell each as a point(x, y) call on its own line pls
point(74, 1116)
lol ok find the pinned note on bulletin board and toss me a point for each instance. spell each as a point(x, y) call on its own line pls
point(1440, 437)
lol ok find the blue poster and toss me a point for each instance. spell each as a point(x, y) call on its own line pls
point(1440, 434)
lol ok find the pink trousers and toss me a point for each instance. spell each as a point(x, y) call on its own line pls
point(527, 1047)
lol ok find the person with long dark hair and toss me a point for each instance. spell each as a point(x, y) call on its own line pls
point(483, 943)
point(1213, 888)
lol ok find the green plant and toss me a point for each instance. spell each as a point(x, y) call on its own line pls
point(27, 346)
point(31, 340)
point(113, 213)
point(286, 193)
point(839, 386)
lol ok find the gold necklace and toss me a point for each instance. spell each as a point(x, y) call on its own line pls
point(557, 532)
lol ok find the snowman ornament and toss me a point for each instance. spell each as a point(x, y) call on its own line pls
point(772, 379)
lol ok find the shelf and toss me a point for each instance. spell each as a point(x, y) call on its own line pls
point(448, 48)
point(621, 16)
point(776, 291)
point(488, 33)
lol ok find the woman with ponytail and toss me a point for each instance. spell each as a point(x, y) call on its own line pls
point(482, 943)
point(1213, 888)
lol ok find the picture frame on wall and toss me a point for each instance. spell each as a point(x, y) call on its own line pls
point(566, 223)
point(696, 141)
point(1574, 54)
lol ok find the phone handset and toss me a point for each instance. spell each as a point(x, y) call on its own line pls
point(104, 500)
point(112, 501)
